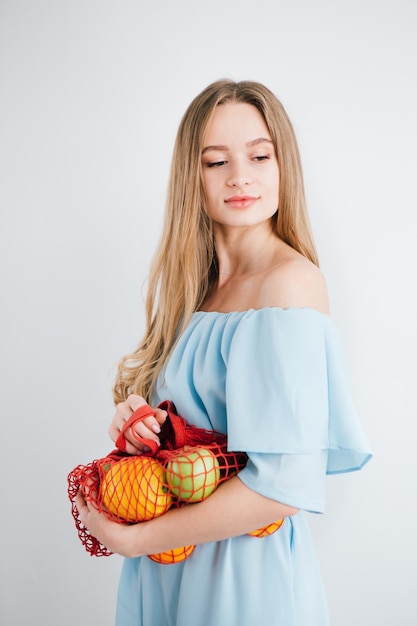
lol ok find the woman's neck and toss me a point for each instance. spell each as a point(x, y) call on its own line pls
point(245, 251)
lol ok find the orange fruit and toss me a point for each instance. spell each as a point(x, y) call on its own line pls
point(134, 489)
point(172, 556)
point(267, 530)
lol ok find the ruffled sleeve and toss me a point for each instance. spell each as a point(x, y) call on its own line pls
point(287, 393)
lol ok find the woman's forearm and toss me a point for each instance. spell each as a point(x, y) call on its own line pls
point(232, 510)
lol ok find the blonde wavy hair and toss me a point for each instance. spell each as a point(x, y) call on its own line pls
point(184, 269)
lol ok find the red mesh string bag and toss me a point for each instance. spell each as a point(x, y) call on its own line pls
point(187, 467)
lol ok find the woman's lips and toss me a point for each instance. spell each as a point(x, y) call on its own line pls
point(241, 202)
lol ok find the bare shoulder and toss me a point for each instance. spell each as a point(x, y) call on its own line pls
point(295, 282)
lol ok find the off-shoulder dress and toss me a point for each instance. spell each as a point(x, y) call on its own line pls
point(275, 381)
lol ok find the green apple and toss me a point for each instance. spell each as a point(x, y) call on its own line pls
point(194, 474)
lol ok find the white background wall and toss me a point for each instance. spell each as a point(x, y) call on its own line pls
point(92, 92)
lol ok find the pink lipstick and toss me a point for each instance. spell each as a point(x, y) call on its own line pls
point(241, 202)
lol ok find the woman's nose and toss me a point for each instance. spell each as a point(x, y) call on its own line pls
point(239, 176)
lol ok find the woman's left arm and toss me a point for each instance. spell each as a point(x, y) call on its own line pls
point(232, 510)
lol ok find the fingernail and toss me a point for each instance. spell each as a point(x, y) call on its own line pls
point(146, 449)
point(156, 428)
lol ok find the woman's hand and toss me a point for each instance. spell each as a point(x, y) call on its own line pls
point(118, 538)
point(149, 428)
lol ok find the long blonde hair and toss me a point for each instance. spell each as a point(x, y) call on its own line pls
point(184, 268)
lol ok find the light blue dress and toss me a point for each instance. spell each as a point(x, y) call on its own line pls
point(275, 381)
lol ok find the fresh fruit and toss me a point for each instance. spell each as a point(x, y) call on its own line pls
point(194, 474)
point(267, 530)
point(172, 556)
point(134, 489)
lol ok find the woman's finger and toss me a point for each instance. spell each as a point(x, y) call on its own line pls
point(82, 507)
point(160, 415)
point(146, 429)
point(134, 402)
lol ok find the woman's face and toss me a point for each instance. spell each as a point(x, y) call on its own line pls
point(240, 168)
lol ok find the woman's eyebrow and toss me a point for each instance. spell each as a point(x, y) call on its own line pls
point(254, 142)
point(207, 148)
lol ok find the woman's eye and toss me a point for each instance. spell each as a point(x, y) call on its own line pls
point(215, 163)
point(262, 157)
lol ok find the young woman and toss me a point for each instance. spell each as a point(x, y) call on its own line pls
point(239, 339)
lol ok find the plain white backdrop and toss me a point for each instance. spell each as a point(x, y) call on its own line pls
point(92, 92)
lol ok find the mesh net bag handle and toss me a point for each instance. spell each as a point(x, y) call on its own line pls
point(138, 416)
point(175, 432)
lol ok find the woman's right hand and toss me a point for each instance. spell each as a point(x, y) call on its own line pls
point(147, 428)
